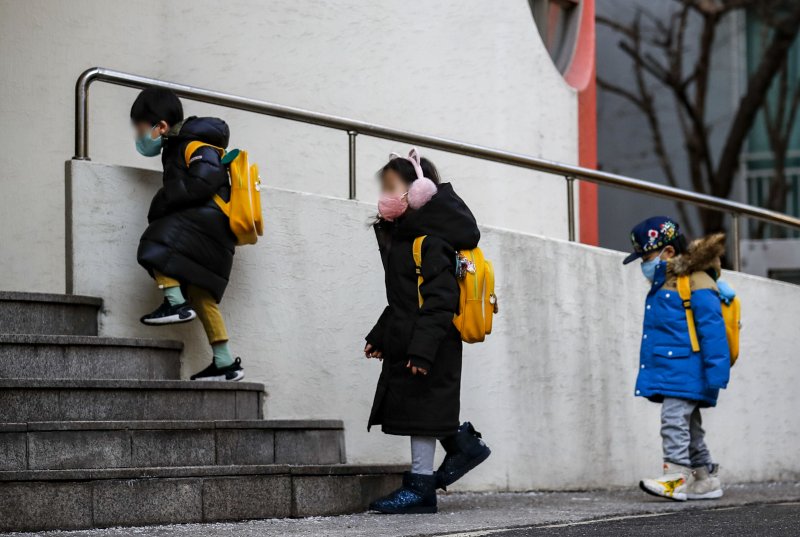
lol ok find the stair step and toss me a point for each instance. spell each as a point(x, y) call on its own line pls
point(37, 400)
point(133, 444)
point(81, 499)
point(38, 313)
point(87, 357)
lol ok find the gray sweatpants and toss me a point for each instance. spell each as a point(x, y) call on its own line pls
point(682, 434)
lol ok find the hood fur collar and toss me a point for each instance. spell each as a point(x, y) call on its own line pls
point(701, 255)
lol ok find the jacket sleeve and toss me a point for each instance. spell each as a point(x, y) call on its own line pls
point(375, 336)
point(440, 293)
point(205, 176)
point(158, 207)
point(712, 337)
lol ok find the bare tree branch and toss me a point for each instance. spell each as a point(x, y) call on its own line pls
point(614, 25)
point(699, 140)
point(779, 125)
point(757, 87)
point(697, 136)
point(660, 51)
point(620, 91)
point(644, 100)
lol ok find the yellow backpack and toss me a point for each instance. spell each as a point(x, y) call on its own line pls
point(731, 313)
point(477, 302)
point(244, 208)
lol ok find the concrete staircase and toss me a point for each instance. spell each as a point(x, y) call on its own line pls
point(100, 432)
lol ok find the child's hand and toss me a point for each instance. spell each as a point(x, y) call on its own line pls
point(371, 352)
point(416, 370)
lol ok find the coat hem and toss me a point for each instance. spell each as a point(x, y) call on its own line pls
point(406, 431)
point(658, 396)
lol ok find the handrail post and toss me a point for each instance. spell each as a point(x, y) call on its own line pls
point(82, 113)
point(571, 207)
point(351, 135)
point(737, 242)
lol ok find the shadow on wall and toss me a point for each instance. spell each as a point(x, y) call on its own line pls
point(551, 389)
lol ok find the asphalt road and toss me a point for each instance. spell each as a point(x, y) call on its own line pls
point(776, 520)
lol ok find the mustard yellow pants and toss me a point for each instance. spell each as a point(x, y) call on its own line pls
point(204, 304)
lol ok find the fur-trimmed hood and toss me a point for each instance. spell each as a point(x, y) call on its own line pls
point(701, 255)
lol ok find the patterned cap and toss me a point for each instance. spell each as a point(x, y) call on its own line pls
point(651, 235)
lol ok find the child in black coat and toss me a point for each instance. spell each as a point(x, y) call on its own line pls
point(418, 393)
point(188, 245)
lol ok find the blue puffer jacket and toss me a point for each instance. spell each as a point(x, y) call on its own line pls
point(667, 365)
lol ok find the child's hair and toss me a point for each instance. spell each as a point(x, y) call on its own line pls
point(406, 170)
point(680, 244)
point(157, 104)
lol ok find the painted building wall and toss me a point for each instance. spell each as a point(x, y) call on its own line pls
point(454, 68)
point(551, 389)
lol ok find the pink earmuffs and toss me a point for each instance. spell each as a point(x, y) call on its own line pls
point(423, 189)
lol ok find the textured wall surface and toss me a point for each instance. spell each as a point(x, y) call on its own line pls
point(551, 389)
point(454, 68)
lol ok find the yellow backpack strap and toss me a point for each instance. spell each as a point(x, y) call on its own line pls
point(193, 146)
point(417, 253)
point(489, 299)
point(685, 292)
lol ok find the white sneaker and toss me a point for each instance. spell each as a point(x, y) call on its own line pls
point(706, 485)
point(673, 485)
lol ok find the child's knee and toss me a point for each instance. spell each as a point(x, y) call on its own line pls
point(201, 297)
point(165, 282)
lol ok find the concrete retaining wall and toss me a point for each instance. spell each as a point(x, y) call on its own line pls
point(552, 389)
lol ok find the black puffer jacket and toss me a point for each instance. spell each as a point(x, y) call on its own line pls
point(407, 404)
point(189, 237)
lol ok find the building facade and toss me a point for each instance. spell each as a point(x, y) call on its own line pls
point(443, 68)
point(625, 145)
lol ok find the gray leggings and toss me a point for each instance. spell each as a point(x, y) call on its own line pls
point(682, 434)
point(423, 449)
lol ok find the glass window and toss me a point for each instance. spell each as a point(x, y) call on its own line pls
point(557, 21)
point(786, 275)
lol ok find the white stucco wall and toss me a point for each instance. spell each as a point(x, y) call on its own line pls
point(551, 389)
point(463, 69)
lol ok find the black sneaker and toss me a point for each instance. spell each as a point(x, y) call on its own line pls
point(232, 373)
point(169, 314)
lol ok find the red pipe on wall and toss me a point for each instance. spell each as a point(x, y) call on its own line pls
point(581, 75)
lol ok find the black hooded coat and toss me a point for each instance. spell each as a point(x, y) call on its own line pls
point(189, 237)
point(424, 405)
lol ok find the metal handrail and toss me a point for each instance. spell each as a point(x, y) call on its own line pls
point(353, 128)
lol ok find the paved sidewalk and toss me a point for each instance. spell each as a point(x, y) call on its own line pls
point(466, 512)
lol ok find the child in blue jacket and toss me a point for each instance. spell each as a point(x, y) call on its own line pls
point(670, 373)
